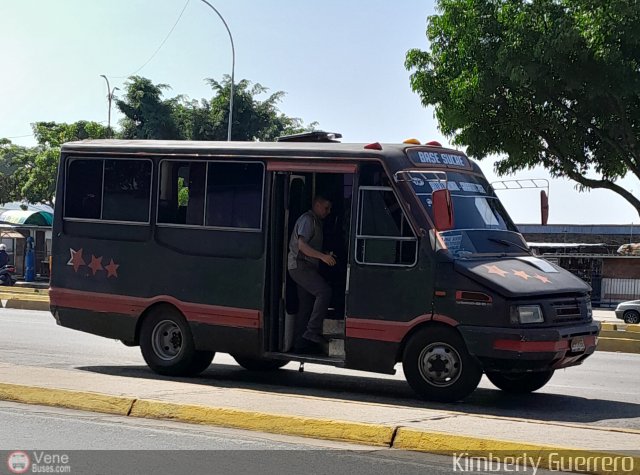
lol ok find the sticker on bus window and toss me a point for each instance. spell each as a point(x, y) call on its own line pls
point(453, 241)
point(472, 187)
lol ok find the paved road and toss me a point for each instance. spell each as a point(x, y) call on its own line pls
point(159, 447)
point(603, 391)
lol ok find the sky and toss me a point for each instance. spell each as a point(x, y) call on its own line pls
point(340, 62)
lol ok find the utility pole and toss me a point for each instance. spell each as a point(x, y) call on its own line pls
point(110, 96)
point(233, 67)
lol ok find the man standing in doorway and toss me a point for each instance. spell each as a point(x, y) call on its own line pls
point(314, 294)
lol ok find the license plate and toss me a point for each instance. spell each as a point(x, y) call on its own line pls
point(577, 344)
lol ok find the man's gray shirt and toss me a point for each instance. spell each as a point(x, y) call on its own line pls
point(308, 227)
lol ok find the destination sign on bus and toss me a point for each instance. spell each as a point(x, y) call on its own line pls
point(438, 159)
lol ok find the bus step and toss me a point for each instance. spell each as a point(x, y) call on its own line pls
point(333, 327)
point(336, 347)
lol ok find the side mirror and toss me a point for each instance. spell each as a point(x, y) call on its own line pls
point(442, 209)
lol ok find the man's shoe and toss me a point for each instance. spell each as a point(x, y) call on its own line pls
point(308, 347)
point(317, 339)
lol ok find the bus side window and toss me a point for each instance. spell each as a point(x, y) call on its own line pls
point(384, 235)
point(181, 197)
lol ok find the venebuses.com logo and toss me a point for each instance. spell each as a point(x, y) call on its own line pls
point(18, 462)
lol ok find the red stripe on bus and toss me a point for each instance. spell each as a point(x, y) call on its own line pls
point(388, 331)
point(539, 346)
point(311, 167)
point(134, 306)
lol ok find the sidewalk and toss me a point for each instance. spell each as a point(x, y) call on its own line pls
point(437, 431)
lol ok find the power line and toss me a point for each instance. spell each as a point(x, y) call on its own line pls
point(159, 47)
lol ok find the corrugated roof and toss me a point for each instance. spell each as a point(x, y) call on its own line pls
point(34, 218)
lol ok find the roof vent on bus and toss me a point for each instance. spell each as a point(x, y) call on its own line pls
point(434, 143)
point(315, 136)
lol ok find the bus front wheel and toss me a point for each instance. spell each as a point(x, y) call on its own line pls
point(260, 364)
point(520, 383)
point(438, 366)
point(167, 345)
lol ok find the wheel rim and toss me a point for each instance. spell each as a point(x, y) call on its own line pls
point(166, 340)
point(440, 364)
point(633, 318)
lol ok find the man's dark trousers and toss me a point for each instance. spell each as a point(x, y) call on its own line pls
point(314, 296)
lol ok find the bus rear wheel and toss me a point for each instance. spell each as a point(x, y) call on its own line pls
point(167, 345)
point(438, 366)
point(260, 364)
point(520, 383)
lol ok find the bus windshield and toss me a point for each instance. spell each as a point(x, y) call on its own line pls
point(480, 224)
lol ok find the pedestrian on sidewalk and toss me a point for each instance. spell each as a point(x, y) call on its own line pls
point(4, 257)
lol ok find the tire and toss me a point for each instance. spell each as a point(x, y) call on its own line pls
point(631, 316)
point(260, 364)
point(167, 344)
point(438, 366)
point(520, 383)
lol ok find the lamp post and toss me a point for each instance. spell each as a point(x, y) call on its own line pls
point(110, 95)
point(233, 66)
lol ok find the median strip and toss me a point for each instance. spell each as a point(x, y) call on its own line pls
point(461, 448)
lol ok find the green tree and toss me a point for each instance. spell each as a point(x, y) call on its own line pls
point(9, 187)
point(253, 119)
point(544, 82)
point(30, 172)
point(147, 114)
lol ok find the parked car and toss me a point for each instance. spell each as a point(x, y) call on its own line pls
point(629, 311)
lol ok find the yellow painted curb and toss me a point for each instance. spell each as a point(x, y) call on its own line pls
point(511, 453)
point(622, 345)
point(631, 335)
point(25, 290)
point(370, 434)
point(86, 401)
point(621, 327)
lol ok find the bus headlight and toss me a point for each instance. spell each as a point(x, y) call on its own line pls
point(524, 314)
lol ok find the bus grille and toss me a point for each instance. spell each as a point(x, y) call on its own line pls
point(566, 312)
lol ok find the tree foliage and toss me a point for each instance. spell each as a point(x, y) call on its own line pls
point(546, 82)
point(149, 116)
point(29, 173)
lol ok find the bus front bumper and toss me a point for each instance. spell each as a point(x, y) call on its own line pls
point(530, 349)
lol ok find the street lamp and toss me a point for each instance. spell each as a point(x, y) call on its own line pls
point(110, 95)
point(233, 67)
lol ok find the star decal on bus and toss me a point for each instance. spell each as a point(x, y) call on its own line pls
point(112, 269)
point(493, 269)
point(96, 264)
point(542, 279)
point(522, 274)
point(76, 259)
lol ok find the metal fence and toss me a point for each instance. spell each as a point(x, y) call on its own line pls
point(619, 290)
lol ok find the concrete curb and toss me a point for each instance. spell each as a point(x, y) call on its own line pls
point(370, 434)
point(25, 304)
point(398, 437)
point(620, 345)
point(85, 401)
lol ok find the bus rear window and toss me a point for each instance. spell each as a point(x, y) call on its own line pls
point(109, 190)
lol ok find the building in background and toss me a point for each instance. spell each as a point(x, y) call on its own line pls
point(19, 221)
point(602, 255)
